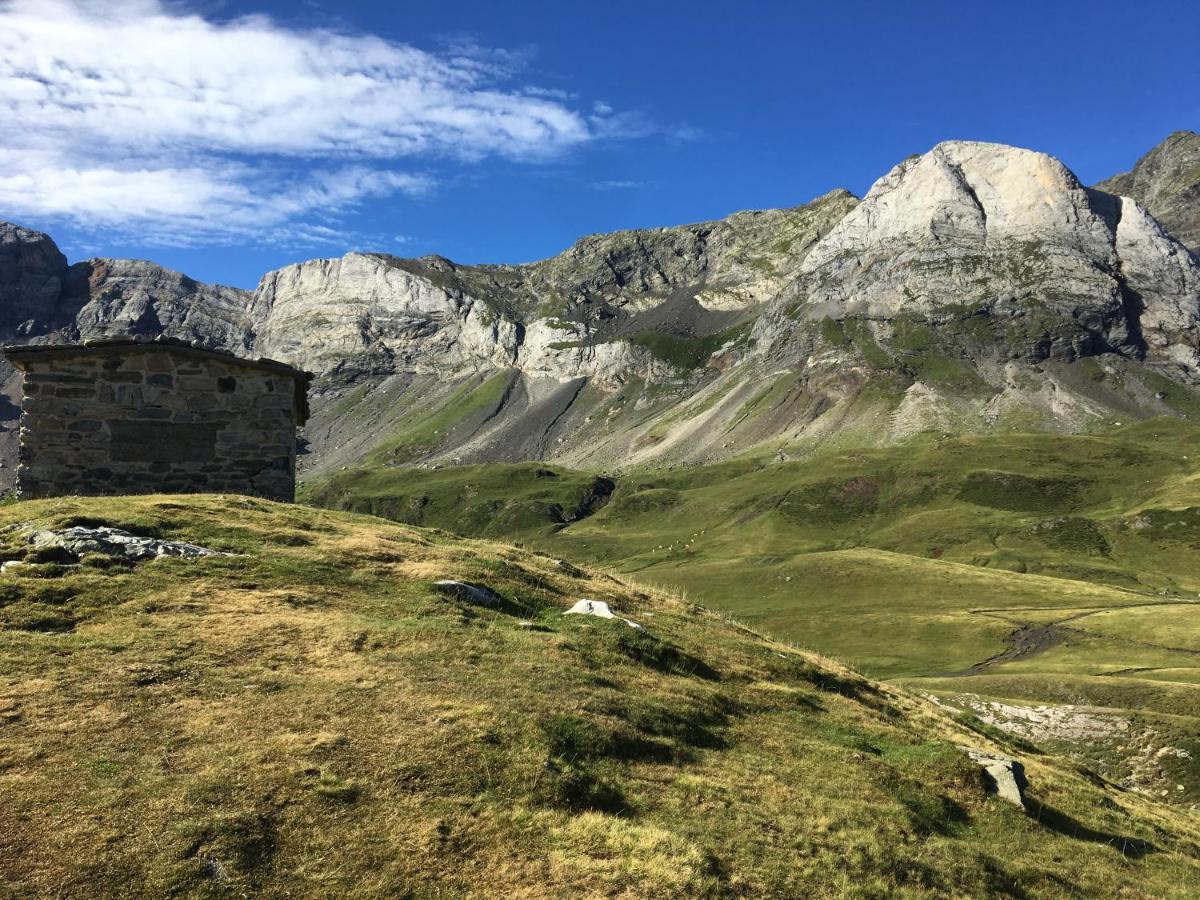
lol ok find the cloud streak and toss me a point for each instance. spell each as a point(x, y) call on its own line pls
point(129, 115)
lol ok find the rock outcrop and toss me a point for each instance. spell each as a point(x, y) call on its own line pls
point(1004, 775)
point(42, 298)
point(1010, 240)
point(78, 541)
point(1166, 181)
point(31, 277)
point(120, 297)
point(368, 313)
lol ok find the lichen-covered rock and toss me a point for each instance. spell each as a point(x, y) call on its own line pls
point(79, 541)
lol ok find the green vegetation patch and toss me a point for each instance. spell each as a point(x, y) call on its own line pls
point(426, 433)
point(687, 352)
point(1026, 493)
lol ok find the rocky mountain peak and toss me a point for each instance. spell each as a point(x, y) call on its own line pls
point(1167, 182)
point(974, 285)
point(31, 274)
point(1007, 237)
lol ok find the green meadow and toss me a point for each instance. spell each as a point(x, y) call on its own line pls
point(1033, 567)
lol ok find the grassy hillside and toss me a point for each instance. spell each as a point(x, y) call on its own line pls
point(310, 717)
point(1032, 567)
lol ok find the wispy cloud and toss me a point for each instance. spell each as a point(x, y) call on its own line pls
point(133, 116)
point(617, 185)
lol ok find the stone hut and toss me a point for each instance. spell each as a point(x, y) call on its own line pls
point(125, 416)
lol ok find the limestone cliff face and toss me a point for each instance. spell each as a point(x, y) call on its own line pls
point(732, 263)
point(133, 296)
point(364, 313)
point(562, 318)
point(1008, 239)
point(1166, 181)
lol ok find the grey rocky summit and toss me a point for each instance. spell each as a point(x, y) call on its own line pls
point(1167, 182)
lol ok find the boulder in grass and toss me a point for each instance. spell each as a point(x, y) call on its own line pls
point(476, 594)
point(1005, 775)
point(599, 609)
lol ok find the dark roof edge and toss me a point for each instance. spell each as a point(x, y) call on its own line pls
point(19, 352)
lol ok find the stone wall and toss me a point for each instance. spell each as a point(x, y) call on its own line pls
point(156, 420)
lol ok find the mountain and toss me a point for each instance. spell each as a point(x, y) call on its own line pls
point(1167, 182)
point(314, 715)
point(975, 288)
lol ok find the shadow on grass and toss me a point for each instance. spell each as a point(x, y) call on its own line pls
point(1060, 822)
point(661, 656)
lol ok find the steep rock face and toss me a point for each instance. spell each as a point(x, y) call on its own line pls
point(1167, 182)
point(133, 296)
point(42, 298)
point(1010, 239)
point(562, 318)
point(731, 263)
point(977, 287)
point(364, 313)
point(31, 274)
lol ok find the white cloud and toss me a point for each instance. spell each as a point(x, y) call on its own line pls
point(617, 185)
point(126, 115)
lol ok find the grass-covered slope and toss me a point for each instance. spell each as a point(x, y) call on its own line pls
point(932, 529)
point(309, 717)
point(1037, 568)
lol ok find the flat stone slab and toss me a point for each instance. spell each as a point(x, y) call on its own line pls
point(78, 541)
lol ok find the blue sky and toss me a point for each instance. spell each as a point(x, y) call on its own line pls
point(228, 138)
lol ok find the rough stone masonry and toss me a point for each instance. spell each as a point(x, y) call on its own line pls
point(164, 416)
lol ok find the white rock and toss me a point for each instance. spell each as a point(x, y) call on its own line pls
point(1003, 228)
point(597, 608)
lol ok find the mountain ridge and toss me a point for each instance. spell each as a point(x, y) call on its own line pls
point(977, 286)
